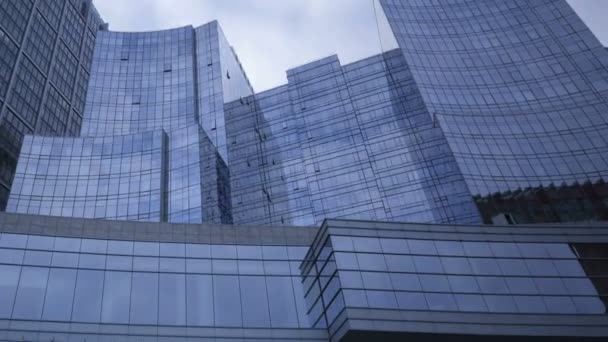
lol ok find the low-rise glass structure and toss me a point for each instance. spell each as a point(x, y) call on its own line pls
point(74, 279)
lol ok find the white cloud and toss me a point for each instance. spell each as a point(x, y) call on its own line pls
point(271, 36)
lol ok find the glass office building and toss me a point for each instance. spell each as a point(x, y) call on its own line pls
point(500, 121)
point(158, 197)
point(46, 50)
point(519, 89)
point(66, 279)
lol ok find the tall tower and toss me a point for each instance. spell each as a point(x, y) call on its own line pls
point(46, 49)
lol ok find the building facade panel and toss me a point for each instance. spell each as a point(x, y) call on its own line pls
point(392, 278)
point(117, 177)
point(347, 281)
point(40, 58)
point(520, 94)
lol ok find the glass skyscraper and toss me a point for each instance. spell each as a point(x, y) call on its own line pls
point(348, 204)
point(46, 50)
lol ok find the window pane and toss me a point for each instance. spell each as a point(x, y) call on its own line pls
point(65, 259)
point(120, 247)
point(146, 249)
point(406, 282)
point(59, 295)
point(434, 283)
point(521, 285)
point(9, 278)
point(441, 301)
point(500, 303)
point(87, 299)
point(200, 300)
point(172, 250)
point(172, 301)
point(94, 246)
point(254, 302)
point(12, 256)
point(472, 303)
point(300, 302)
point(116, 297)
point(30, 295)
point(463, 284)
point(456, 265)
point(144, 298)
point(382, 299)
point(67, 244)
point(411, 301)
point(227, 302)
point(530, 304)
point(281, 302)
point(249, 252)
point(561, 305)
point(13, 240)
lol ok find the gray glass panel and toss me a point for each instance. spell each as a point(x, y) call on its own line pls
point(65, 259)
point(411, 301)
point(12, 256)
point(500, 303)
point(200, 301)
point(67, 244)
point(172, 300)
point(254, 302)
point(59, 295)
point(470, 302)
point(13, 240)
point(116, 297)
point(227, 301)
point(281, 302)
point(9, 279)
point(144, 298)
point(88, 296)
point(30, 294)
point(94, 246)
point(441, 301)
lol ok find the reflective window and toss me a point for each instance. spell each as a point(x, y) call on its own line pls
point(255, 302)
point(281, 302)
point(13, 240)
point(200, 302)
point(144, 298)
point(30, 294)
point(88, 296)
point(172, 301)
point(227, 301)
point(411, 301)
point(65, 259)
point(441, 301)
point(8, 288)
point(59, 295)
point(116, 297)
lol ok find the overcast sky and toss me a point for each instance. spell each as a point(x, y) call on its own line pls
point(271, 36)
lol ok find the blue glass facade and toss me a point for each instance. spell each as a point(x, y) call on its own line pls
point(350, 141)
point(150, 283)
point(45, 63)
point(65, 278)
point(114, 177)
point(487, 108)
point(458, 125)
point(142, 85)
point(518, 87)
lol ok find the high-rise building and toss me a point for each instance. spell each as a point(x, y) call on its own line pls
point(520, 90)
point(513, 134)
point(488, 112)
point(46, 49)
